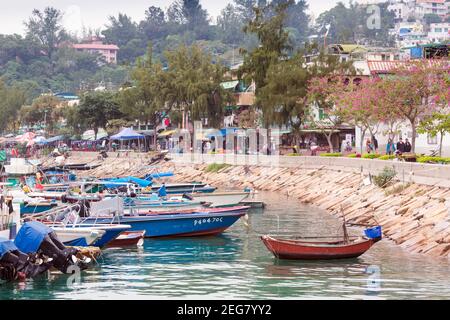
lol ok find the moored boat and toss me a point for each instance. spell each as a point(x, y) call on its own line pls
point(201, 222)
point(36, 207)
point(298, 249)
point(220, 199)
point(128, 238)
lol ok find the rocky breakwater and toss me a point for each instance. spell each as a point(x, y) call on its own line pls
point(414, 216)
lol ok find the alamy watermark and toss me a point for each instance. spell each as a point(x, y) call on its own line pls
point(374, 19)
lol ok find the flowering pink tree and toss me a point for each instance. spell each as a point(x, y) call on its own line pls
point(360, 104)
point(415, 91)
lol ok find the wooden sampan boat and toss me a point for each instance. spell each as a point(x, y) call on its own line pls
point(308, 250)
point(349, 247)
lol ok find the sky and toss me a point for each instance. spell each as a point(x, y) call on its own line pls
point(94, 13)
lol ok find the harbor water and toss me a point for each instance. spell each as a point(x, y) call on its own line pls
point(236, 265)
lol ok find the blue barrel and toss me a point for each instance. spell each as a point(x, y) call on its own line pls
point(373, 233)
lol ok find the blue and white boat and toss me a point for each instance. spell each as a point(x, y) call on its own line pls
point(197, 222)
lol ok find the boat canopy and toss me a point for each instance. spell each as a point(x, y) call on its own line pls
point(127, 134)
point(6, 246)
point(30, 236)
point(117, 182)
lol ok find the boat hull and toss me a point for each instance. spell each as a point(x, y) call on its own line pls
point(178, 225)
point(296, 250)
point(128, 238)
point(71, 235)
point(225, 199)
point(36, 208)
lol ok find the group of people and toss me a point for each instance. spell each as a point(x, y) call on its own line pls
point(398, 148)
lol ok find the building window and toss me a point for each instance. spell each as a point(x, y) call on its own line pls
point(431, 139)
point(438, 30)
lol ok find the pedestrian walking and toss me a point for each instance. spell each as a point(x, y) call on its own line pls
point(368, 146)
point(400, 146)
point(375, 144)
point(408, 146)
point(390, 147)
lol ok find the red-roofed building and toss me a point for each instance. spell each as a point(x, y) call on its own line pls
point(96, 46)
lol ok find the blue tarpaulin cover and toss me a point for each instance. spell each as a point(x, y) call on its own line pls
point(30, 236)
point(80, 242)
point(118, 182)
point(159, 175)
point(6, 246)
point(162, 191)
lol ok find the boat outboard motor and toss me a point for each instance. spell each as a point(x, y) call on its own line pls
point(17, 265)
point(35, 237)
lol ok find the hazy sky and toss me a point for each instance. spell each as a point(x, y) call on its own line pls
point(94, 13)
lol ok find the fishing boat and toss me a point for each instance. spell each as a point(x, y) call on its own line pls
point(36, 207)
point(180, 188)
point(66, 223)
point(220, 199)
point(155, 203)
point(108, 233)
point(79, 237)
point(128, 238)
point(186, 223)
point(300, 249)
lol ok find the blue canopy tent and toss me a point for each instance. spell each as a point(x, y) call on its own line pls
point(128, 134)
point(51, 140)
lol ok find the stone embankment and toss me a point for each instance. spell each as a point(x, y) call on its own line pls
point(415, 216)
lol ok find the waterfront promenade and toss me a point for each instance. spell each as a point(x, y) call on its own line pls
point(414, 212)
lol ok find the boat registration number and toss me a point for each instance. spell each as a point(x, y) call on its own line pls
point(209, 220)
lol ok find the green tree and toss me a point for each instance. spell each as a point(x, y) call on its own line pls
point(190, 15)
point(154, 26)
point(436, 124)
point(193, 85)
point(144, 99)
point(274, 43)
point(97, 108)
point(45, 111)
point(46, 27)
point(11, 100)
point(230, 25)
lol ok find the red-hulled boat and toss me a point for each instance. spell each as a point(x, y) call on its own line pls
point(347, 248)
point(128, 238)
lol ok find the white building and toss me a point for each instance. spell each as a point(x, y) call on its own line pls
point(425, 144)
point(439, 32)
point(403, 9)
point(424, 7)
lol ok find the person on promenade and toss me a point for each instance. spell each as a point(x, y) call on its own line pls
point(400, 146)
point(408, 146)
point(368, 146)
point(375, 144)
point(390, 147)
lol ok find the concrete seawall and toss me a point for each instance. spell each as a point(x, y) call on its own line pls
point(413, 214)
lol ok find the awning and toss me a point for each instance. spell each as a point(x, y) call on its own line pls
point(229, 84)
point(167, 133)
point(90, 135)
point(51, 140)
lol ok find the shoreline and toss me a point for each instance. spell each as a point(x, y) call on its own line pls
point(414, 216)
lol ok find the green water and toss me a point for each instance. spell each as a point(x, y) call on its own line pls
point(237, 265)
